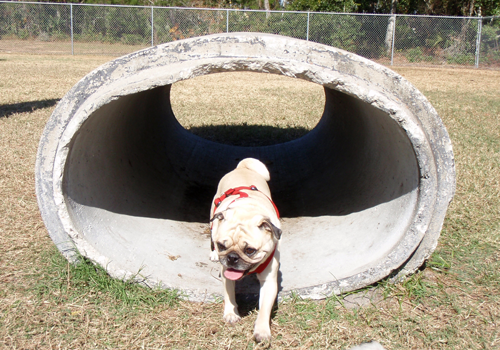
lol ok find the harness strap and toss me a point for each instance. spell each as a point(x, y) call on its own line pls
point(238, 192)
point(263, 266)
point(234, 192)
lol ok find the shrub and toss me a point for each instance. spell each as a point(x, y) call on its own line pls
point(132, 39)
point(415, 55)
point(465, 58)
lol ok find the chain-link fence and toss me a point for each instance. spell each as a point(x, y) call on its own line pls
point(117, 30)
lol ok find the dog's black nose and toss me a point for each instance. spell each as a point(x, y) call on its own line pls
point(233, 258)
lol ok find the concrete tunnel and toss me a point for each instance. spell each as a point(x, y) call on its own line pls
point(362, 196)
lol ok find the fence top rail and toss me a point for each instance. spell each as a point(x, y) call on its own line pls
point(245, 10)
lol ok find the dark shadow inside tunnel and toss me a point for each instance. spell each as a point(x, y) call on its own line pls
point(248, 135)
point(131, 156)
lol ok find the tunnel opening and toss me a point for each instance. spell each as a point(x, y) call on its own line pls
point(247, 109)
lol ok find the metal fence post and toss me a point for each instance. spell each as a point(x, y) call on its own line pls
point(227, 21)
point(307, 30)
point(393, 39)
point(152, 27)
point(71, 24)
point(478, 39)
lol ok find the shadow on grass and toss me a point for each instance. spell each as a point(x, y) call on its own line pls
point(246, 135)
point(22, 107)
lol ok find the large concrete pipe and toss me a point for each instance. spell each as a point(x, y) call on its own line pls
point(363, 195)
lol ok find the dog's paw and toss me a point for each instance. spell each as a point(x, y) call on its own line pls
point(214, 256)
point(262, 334)
point(231, 318)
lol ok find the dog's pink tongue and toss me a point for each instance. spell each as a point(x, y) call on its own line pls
point(234, 275)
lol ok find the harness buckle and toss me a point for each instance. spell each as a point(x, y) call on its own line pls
point(229, 192)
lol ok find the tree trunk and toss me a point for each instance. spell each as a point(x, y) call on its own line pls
point(389, 35)
point(391, 27)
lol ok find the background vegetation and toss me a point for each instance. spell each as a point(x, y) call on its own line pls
point(426, 39)
point(422, 7)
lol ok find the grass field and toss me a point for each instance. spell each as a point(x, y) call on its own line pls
point(45, 303)
point(17, 46)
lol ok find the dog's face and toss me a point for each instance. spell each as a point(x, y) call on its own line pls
point(243, 240)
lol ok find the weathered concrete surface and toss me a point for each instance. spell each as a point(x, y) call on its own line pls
point(363, 196)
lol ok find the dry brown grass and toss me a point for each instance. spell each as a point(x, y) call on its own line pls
point(454, 303)
point(280, 108)
point(18, 46)
point(264, 99)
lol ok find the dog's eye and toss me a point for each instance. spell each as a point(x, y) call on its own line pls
point(221, 247)
point(218, 216)
point(265, 226)
point(250, 251)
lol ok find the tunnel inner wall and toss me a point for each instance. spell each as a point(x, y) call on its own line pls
point(140, 186)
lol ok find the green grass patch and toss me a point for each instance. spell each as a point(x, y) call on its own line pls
point(62, 281)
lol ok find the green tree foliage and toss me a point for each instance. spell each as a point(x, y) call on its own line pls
point(324, 5)
point(429, 7)
point(171, 3)
point(241, 4)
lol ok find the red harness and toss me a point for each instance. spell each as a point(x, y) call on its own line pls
point(238, 192)
point(263, 266)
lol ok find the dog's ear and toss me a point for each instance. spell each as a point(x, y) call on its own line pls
point(268, 226)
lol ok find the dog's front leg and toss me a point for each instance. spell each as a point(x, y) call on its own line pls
point(231, 314)
point(268, 291)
